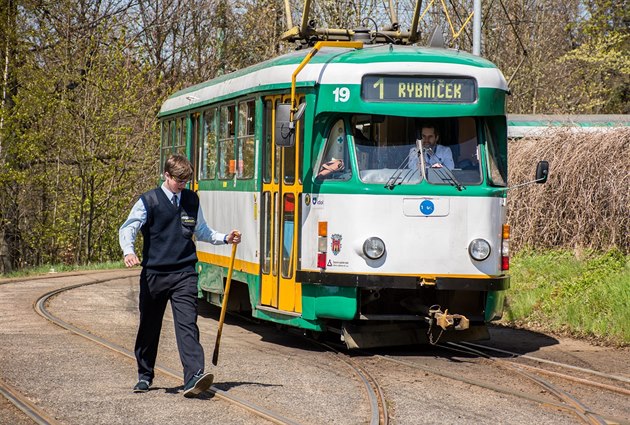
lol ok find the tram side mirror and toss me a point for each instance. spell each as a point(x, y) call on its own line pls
point(285, 129)
point(542, 172)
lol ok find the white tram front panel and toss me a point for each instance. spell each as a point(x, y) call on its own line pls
point(417, 241)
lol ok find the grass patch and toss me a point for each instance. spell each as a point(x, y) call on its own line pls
point(586, 295)
point(59, 268)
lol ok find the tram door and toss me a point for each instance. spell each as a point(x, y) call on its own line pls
point(279, 215)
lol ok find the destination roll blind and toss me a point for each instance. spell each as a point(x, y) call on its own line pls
point(404, 88)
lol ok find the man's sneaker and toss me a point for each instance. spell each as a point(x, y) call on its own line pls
point(142, 386)
point(199, 383)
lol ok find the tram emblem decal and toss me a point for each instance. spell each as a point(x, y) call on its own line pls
point(427, 207)
point(335, 245)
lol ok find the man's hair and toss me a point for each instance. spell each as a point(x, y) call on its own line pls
point(435, 128)
point(178, 167)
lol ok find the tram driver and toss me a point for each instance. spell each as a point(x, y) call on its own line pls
point(435, 156)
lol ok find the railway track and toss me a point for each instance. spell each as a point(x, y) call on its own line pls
point(39, 416)
point(30, 410)
point(378, 403)
point(40, 307)
point(378, 414)
point(569, 402)
point(374, 392)
point(608, 376)
point(565, 401)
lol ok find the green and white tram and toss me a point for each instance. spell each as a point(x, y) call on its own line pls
point(339, 232)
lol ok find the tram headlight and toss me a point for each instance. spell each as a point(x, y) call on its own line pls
point(374, 248)
point(479, 249)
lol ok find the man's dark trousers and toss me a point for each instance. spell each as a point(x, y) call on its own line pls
point(155, 291)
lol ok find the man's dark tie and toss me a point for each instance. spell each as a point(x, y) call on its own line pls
point(174, 200)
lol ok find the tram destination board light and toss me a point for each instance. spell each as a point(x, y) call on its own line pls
point(420, 89)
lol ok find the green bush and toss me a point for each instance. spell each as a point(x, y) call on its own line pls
point(586, 295)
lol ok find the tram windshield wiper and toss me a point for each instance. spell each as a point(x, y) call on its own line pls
point(401, 174)
point(443, 172)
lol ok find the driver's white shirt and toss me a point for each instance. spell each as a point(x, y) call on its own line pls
point(442, 155)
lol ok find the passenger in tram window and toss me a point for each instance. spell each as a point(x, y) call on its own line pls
point(335, 164)
point(435, 155)
point(168, 217)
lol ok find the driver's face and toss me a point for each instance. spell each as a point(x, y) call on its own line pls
point(429, 138)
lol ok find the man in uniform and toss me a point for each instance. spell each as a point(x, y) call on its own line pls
point(168, 217)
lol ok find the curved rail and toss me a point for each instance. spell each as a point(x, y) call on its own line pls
point(491, 387)
point(250, 407)
point(378, 404)
point(575, 406)
point(551, 362)
point(34, 413)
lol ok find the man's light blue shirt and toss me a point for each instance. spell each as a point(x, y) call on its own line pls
point(441, 155)
point(138, 216)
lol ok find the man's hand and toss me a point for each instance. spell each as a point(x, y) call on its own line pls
point(234, 237)
point(131, 260)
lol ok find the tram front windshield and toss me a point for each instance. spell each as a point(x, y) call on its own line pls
point(402, 150)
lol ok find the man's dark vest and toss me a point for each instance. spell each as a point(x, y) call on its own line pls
point(167, 233)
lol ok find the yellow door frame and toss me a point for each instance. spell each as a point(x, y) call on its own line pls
point(279, 288)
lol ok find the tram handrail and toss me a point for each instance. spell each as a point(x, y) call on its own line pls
point(318, 46)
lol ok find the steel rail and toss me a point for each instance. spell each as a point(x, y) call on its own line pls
point(19, 400)
point(40, 308)
point(581, 410)
point(369, 382)
point(577, 408)
point(491, 387)
point(378, 404)
point(612, 388)
point(551, 362)
point(59, 275)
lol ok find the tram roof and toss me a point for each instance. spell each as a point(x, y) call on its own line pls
point(336, 66)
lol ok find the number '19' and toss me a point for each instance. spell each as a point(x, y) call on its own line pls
point(342, 94)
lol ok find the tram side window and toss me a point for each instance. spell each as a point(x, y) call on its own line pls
point(278, 153)
point(226, 142)
point(496, 130)
point(166, 145)
point(246, 140)
point(268, 142)
point(179, 146)
point(288, 213)
point(208, 146)
point(300, 134)
point(334, 164)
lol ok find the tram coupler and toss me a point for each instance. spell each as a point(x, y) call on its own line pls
point(447, 321)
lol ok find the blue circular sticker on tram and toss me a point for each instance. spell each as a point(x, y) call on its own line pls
point(427, 207)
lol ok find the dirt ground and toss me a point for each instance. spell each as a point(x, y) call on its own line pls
point(78, 381)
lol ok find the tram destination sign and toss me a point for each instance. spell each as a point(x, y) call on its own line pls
point(405, 88)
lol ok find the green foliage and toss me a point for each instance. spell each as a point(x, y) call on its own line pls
point(76, 139)
point(602, 73)
point(587, 295)
point(82, 83)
